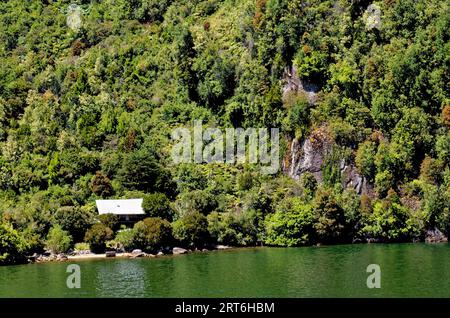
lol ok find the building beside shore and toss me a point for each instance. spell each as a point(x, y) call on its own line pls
point(129, 211)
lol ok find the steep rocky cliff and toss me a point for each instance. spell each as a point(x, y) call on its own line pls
point(309, 155)
point(293, 83)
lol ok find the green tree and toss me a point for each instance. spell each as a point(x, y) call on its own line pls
point(365, 160)
point(13, 245)
point(157, 205)
point(74, 220)
point(197, 200)
point(58, 240)
point(110, 220)
point(384, 181)
point(191, 230)
point(152, 234)
point(101, 185)
point(390, 221)
point(141, 171)
point(216, 78)
point(309, 184)
point(236, 229)
point(127, 239)
point(97, 236)
point(331, 225)
point(291, 224)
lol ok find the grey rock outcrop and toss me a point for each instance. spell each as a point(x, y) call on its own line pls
point(305, 158)
point(293, 83)
point(435, 236)
point(353, 180)
point(310, 155)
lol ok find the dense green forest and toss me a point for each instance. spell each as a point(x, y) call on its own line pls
point(87, 111)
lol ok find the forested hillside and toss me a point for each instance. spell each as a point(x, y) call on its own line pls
point(88, 104)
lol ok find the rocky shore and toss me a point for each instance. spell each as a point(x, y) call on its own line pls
point(435, 236)
point(86, 254)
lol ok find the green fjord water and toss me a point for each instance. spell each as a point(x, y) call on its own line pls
point(407, 270)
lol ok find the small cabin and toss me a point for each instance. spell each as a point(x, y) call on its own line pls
point(129, 211)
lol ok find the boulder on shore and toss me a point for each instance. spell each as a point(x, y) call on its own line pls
point(135, 255)
point(179, 250)
point(222, 247)
point(137, 251)
point(61, 258)
point(435, 236)
point(110, 254)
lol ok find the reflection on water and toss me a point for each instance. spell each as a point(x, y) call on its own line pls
point(120, 278)
point(407, 270)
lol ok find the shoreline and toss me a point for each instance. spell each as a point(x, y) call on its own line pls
point(60, 258)
point(125, 255)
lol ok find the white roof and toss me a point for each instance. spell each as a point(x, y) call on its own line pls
point(120, 207)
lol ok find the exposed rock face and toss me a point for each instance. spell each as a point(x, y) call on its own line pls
point(306, 158)
point(293, 83)
point(353, 180)
point(310, 155)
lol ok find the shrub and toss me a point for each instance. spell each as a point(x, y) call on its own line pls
point(58, 240)
point(331, 168)
point(383, 182)
point(244, 181)
point(443, 147)
point(298, 115)
point(291, 224)
point(352, 206)
point(12, 245)
point(309, 184)
point(198, 200)
point(389, 221)
point(74, 220)
point(331, 226)
point(110, 220)
point(152, 233)
point(191, 230)
point(127, 239)
point(82, 247)
point(97, 236)
point(101, 185)
point(190, 177)
point(431, 170)
point(365, 159)
point(436, 207)
point(141, 171)
point(157, 205)
point(238, 229)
